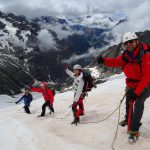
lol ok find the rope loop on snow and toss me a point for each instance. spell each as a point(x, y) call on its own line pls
point(108, 115)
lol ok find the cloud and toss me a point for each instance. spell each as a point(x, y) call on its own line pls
point(138, 20)
point(46, 41)
point(92, 52)
point(33, 8)
point(61, 33)
point(137, 12)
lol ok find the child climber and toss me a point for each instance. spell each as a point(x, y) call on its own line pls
point(79, 95)
point(27, 97)
point(48, 97)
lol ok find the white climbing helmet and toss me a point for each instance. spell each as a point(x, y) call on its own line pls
point(129, 36)
point(77, 67)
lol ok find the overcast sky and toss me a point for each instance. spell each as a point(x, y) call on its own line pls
point(33, 8)
point(137, 11)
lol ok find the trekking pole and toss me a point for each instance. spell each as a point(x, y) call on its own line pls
point(130, 115)
point(70, 106)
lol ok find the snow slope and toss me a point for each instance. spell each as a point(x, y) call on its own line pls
point(19, 131)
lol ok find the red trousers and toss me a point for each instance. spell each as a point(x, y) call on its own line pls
point(78, 108)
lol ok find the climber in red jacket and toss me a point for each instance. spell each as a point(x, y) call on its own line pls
point(48, 96)
point(135, 63)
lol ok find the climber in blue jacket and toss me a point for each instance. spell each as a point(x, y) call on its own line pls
point(27, 97)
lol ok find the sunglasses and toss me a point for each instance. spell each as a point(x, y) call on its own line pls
point(130, 42)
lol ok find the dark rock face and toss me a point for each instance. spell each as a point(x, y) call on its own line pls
point(49, 19)
point(2, 25)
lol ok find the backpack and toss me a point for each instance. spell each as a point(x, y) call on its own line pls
point(49, 86)
point(88, 81)
point(36, 84)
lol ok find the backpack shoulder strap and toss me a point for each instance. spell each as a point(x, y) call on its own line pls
point(47, 90)
point(146, 48)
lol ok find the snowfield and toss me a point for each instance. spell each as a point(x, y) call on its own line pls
point(20, 131)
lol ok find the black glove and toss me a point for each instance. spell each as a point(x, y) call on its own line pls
point(131, 94)
point(100, 59)
point(66, 66)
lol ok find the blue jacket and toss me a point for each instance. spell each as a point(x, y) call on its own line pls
point(27, 99)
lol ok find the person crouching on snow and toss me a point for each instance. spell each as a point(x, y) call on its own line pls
point(27, 97)
point(48, 97)
point(78, 85)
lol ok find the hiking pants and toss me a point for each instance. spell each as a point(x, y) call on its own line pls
point(46, 104)
point(137, 110)
point(78, 108)
point(27, 110)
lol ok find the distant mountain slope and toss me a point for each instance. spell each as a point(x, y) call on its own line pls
point(34, 49)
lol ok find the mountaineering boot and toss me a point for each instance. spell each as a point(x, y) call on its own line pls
point(42, 115)
point(123, 123)
point(51, 109)
point(133, 136)
point(75, 121)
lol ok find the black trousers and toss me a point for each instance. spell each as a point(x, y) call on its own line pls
point(46, 104)
point(27, 110)
point(137, 110)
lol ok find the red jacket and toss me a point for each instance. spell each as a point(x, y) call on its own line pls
point(47, 93)
point(138, 77)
